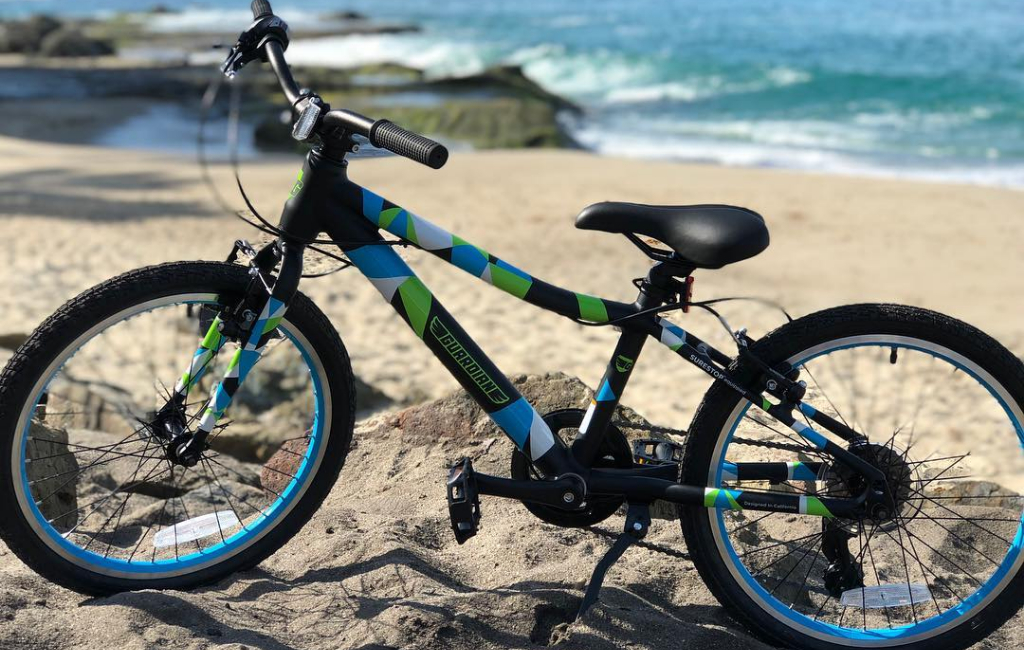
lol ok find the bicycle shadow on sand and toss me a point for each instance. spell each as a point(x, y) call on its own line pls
point(108, 197)
point(398, 599)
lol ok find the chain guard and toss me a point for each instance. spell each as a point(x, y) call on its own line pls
point(615, 451)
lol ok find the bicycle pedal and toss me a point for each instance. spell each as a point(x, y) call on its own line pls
point(463, 501)
point(648, 451)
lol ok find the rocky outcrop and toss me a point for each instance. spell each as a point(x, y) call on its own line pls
point(457, 416)
point(47, 36)
point(25, 36)
point(12, 340)
point(53, 475)
point(70, 41)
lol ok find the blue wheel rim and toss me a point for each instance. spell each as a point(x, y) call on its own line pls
point(210, 555)
point(880, 635)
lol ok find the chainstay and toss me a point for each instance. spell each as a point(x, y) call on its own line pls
point(653, 428)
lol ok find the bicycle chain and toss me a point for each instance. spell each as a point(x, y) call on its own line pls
point(653, 428)
point(683, 555)
point(784, 446)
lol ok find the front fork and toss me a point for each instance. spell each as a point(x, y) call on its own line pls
point(254, 321)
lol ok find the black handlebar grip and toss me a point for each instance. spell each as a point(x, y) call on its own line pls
point(390, 136)
point(261, 9)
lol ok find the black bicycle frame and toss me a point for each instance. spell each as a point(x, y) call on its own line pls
point(323, 199)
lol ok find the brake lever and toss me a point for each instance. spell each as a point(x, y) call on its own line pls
point(249, 46)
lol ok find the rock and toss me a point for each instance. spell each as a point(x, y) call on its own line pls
point(83, 405)
point(275, 404)
point(52, 475)
point(277, 471)
point(70, 41)
point(26, 36)
point(509, 80)
point(496, 122)
point(970, 492)
point(12, 340)
point(370, 400)
point(458, 415)
point(344, 15)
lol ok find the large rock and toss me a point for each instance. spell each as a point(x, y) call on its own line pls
point(12, 340)
point(278, 471)
point(26, 36)
point(275, 404)
point(70, 41)
point(90, 405)
point(53, 475)
point(458, 415)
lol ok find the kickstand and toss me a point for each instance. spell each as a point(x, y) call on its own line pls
point(638, 520)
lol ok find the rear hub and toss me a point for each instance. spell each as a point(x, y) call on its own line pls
point(902, 484)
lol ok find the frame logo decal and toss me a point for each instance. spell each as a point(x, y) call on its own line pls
point(623, 363)
point(472, 368)
point(298, 185)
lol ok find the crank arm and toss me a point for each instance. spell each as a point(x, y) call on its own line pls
point(566, 492)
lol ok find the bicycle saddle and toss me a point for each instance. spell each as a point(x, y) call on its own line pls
point(708, 236)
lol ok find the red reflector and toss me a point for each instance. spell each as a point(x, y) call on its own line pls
point(687, 293)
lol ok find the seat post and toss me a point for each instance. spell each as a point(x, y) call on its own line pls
point(661, 284)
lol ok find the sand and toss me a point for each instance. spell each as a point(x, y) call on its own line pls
point(73, 216)
point(389, 573)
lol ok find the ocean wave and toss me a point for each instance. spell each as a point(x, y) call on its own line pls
point(583, 75)
point(704, 87)
point(437, 57)
point(206, 20)
point(918, 119)
point(824, 160)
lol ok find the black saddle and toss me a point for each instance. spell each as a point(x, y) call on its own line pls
point(707, 236)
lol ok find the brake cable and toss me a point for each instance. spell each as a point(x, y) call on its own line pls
point(261, 224)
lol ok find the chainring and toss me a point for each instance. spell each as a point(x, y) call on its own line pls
point(614, 452)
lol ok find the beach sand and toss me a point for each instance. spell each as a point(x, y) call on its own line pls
point(74, 216)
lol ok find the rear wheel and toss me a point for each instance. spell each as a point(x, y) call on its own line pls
point(941, 404)
point(89, 495)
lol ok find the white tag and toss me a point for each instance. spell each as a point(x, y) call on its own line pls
point(881, 596)
point(198, 528)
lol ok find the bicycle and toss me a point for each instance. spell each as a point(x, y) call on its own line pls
point(868, 533)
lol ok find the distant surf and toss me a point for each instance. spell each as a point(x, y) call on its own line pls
point(913, 89)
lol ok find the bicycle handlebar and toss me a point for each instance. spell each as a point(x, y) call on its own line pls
point(381, 133)
point(260, 9)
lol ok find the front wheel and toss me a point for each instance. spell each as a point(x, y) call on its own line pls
point(941, 405)
point(91, 495)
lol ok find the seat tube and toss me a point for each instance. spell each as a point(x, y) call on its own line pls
point(602, 408)
point(609, 391)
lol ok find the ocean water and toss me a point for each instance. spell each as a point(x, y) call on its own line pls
point(919, 88)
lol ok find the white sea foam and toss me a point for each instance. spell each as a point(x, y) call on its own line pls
point(435, 56)
point(611, 83)
point(703, 87)
point(203, 20)
point(658, 146)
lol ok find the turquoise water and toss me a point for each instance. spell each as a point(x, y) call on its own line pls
point(925, 88)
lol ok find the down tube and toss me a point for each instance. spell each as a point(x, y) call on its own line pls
point(460, 355)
